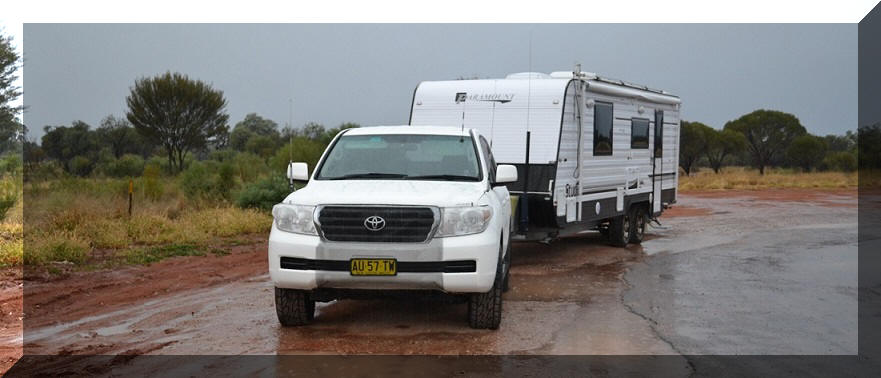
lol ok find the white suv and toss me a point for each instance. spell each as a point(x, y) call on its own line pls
point(390, 210)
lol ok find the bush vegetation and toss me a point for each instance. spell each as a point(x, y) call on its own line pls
point(78, 198)
point(774, 178)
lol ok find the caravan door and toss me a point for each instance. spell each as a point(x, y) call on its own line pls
point(657, 161)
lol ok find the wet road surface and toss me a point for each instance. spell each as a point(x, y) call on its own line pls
point(732, 274)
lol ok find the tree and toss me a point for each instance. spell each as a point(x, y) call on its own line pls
point(806, 151)
point(869, 146)
point(121, 138)
point(721, 144)
point(63, 143)
point(261, 145)
point(177, 113)
point(330, 134)
point(252, 125)
point(11, 129)
point(768, 133)
point(840, 161)
point(692, 144)
point(846, 142)
point(33, 155)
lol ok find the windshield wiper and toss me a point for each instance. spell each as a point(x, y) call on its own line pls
point(370, 175)
point(443, 177)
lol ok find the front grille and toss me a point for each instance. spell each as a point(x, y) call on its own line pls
point(402, 224)
point(460, 266)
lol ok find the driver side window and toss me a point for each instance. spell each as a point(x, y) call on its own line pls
point(488, 157)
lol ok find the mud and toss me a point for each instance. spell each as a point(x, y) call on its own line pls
point(713, 278)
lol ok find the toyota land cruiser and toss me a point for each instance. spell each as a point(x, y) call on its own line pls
point(393, 209)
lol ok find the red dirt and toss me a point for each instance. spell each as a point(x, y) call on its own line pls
point(831, 197)
point(686, 211)
point(80, 294)
point(10, 317)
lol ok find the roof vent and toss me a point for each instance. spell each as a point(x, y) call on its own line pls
point(528, 75)
point(568, 75)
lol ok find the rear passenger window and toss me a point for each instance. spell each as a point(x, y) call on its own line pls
point(639, 133)
point(602, 129)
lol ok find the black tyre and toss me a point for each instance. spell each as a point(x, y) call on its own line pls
point(637, 224)
point(294, 307)
point(619, 230)
point(485, 309)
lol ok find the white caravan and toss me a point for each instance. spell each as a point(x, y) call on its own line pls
point(591, 152)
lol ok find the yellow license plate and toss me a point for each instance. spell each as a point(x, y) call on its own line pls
point(373, 267)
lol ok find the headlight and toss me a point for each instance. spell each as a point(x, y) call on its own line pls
point(457, 221)
point(294, 218)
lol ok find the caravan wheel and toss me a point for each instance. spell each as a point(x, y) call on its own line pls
point(619, 230)
point(637, 223)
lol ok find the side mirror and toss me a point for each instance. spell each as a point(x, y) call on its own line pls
point(298, 172)
point(506, 173)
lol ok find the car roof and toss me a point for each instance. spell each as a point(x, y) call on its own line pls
point(404, 129)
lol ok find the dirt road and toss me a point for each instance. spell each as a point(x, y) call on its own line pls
point(729, 272)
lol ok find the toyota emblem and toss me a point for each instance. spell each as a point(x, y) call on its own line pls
point(374, 223)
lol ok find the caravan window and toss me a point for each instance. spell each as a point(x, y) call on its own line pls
point(639, 133)
point(602, 129)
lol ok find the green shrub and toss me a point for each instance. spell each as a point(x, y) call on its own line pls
point(80, 166)
point(47, 170)
point(160, 162)
point(249, 167)
point(126, 166)
point(223, 155)
point(263, 194)
point(197, 181)
point(226, 180)
point(57, 247)
point(153, 188)
point(8, 196)
point(11, 164)
point(840, 161)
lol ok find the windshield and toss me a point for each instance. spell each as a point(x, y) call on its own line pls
point(401, 157)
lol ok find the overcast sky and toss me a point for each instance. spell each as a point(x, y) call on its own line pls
point(367, 73)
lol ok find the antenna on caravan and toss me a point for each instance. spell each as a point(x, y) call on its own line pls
point(529, 87)
point(523, 202)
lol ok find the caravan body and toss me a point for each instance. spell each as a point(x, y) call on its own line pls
point(596, 146)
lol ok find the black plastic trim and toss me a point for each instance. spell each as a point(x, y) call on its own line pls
point(458, 266)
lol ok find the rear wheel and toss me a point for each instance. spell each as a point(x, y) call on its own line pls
point(637, 224)
point(294, 307)
point(619, 230)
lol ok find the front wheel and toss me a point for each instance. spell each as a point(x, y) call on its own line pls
point(294, 307)
point(485, 309)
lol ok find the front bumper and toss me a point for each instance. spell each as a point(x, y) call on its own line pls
point(481, 248)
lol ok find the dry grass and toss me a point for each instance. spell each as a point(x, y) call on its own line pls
point(750, 179)
point(70, 219)
point(11, 243)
